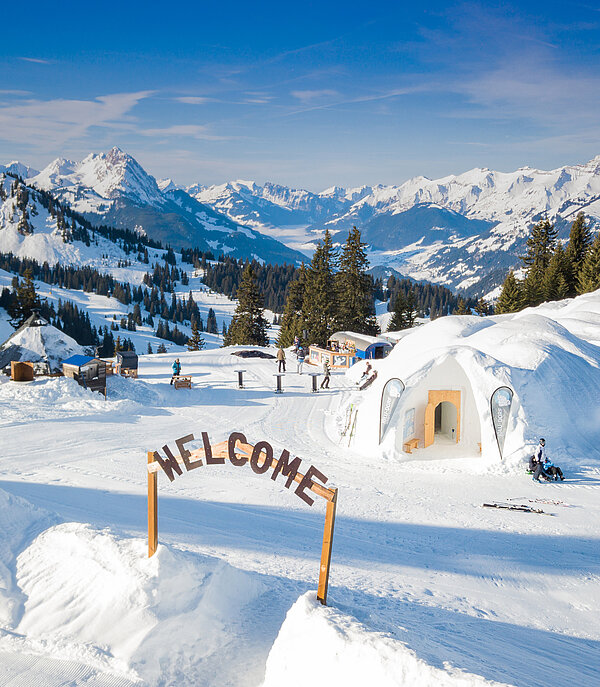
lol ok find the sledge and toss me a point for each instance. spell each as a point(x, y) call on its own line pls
point(515, 506)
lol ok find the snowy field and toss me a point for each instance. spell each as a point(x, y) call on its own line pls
point(427, 587)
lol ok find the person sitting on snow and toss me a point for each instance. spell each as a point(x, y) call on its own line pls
point(537, 461)
point(553, 470)
point(176, 370)
point(365, 374)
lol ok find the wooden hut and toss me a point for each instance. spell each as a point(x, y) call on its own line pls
point(90, 373)
point(127, 363)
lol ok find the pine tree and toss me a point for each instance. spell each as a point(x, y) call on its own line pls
point(555, 281)
point(482, 308)
point(580, 241)
point(461, 308)
point(292, 322)
point(161, 348)
point(211, 322)
point(24, 301)
point(540, 245)
point(354, 289)
point(589, 275)
point(248, 326)
point(318, 304)
point(195, 342)
point(404, 312)
point(510, 299)
point(149, 351)
point(118, 345)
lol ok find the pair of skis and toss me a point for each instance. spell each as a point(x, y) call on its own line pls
point(522, 508)
point(350, 425)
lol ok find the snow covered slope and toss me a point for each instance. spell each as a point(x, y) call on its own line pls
point(425, 584)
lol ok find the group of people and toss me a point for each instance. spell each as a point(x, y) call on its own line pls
point(542, 467)
point(300, 358)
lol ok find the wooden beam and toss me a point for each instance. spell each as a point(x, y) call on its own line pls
point(152, 509)
point(221, 450)
point(326, 550)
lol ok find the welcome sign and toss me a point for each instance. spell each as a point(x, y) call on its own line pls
point(260, 457)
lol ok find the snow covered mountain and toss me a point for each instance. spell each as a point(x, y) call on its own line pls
point(113, 188)
point(464, 230)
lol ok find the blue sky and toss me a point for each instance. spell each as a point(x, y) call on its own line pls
point(305, 94)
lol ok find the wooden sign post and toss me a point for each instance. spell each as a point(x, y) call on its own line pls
point(260, 458)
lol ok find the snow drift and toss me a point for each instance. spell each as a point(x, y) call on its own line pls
point(323, 646)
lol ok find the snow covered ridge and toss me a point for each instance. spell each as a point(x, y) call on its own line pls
point(549, 356)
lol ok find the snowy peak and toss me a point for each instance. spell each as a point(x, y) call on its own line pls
point(19, 169)
point(109, 175)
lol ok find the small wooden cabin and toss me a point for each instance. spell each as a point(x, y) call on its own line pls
point(21, 371)
point(127, 363)
point(90, 373)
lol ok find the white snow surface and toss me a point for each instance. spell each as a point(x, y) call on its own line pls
point(426, 587)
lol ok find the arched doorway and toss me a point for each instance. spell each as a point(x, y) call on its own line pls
point(442, 416)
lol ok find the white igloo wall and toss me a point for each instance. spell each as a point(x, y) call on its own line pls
point(447, 375)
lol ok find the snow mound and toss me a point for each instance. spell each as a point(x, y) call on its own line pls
point(90, 592)
point(39, 342)
point(323, 646)
point(18, 520)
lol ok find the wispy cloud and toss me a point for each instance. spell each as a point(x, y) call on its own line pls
point(194, 99)
point(370, 97)
point(36, 60)
point(309, 96)
point(9, 91)
point(196, 131)
point(50, 123)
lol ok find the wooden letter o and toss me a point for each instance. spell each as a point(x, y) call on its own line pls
point(258, 449)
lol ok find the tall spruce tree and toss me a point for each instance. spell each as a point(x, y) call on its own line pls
point(24, 301)
point(540, 245)
point(318, 303)
point(195, 342)
point(292, 323)
point(248, 326)
point(354, 289)
point(589, 274)
point(555, 280)
point(461, 307)
point(580, 241)
point(405, 312)
point(510, 299)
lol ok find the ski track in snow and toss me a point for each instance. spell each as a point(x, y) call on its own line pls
point(508, 596)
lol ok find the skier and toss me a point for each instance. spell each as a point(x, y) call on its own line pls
point(365, 374)
point(326, 374)
point(281, 360)
point(300, 356)
point(176, 370)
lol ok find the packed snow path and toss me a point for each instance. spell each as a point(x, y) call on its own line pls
point(511, 597)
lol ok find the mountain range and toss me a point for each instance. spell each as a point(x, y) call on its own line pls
point(462, 230)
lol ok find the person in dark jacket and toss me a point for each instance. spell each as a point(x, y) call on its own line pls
point(176, 370)
point(326, 374)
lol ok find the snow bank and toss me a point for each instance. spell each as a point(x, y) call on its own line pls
point(93, 595)
point(323, 646)
point(549, 356)
point(19, 519)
